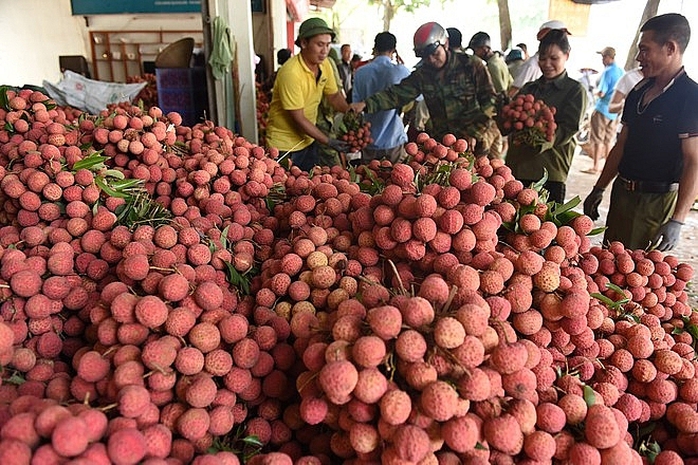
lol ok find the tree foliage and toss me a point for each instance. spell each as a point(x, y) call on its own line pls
point(651, 8)
point(391, 7)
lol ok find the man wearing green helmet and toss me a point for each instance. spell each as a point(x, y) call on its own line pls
point(300, 85)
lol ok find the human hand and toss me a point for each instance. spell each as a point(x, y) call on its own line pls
point(668, 236)
point(357, 107)
point(338, 145)
point(592, 202)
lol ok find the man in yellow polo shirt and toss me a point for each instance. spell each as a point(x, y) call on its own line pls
point(300, 84)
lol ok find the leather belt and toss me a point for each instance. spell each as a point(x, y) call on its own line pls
point(648, 187)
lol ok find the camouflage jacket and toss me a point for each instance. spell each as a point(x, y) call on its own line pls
point(460, 97)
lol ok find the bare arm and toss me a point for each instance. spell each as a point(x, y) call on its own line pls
point(688, 184)
point(610, 169)
point(338, 102)
point(306, 126)
point(617, 102)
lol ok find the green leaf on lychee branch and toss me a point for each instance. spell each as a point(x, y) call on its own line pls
point(139, 208)
point(677, 330)
point(107, 189)
point(649, 449)
point(610, 303)
point(521, 210)
point(242, 281)
point(245, 447)
point(440, 174)
point(252, 441)
point(589, 395)
point(92, 162)
point(618, 290)
point(691, 329)
point(224, 237)
point(353, 175)
point(597, 231)
point(116, 174)
point(537, 186)
point(562, 214)
point(374, 186)
point(605, 300)
point(16, 379)
point(4, 101)
point(630, 317)
point(121, 188)
point(276, 195)
point(647, 429)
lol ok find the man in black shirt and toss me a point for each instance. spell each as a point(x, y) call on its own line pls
point(655, 160)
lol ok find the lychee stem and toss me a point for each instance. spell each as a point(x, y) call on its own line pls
point(401, 288)
point(449, 301)
point(108, 407)
point(311, 378)
point(158, 268)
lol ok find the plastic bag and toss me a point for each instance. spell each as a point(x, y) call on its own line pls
point(90, 95)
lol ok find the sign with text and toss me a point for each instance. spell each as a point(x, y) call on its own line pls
point(100, 7)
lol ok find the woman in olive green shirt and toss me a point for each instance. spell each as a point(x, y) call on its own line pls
point(568, 97)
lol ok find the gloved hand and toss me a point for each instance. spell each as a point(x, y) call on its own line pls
point(592, 202)
point(338, 145)
point(668, 235)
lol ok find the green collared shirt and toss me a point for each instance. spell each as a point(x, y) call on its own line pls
point(570, 100)
point(501, 77)
point(460, 97)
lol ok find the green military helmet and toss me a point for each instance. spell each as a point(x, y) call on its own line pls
point(312, 27)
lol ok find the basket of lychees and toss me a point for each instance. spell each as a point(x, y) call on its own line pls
point(528, 120)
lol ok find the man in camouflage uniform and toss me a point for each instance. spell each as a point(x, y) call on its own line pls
point(456, 87)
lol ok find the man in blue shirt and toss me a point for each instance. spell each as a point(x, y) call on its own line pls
point(603, 123)
point(387, 129)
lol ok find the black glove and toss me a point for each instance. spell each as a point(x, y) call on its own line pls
point(338, 145)
point(592, 202)
point(501, 99)
point(668, 235)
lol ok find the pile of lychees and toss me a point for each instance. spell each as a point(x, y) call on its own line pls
point(173, 295)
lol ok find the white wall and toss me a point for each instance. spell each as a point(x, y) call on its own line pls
point(34, 33)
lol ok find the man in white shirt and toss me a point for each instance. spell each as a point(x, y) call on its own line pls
point(623, 86)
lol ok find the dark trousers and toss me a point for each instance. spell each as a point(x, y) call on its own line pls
point(635, 217)
point(306, 158)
